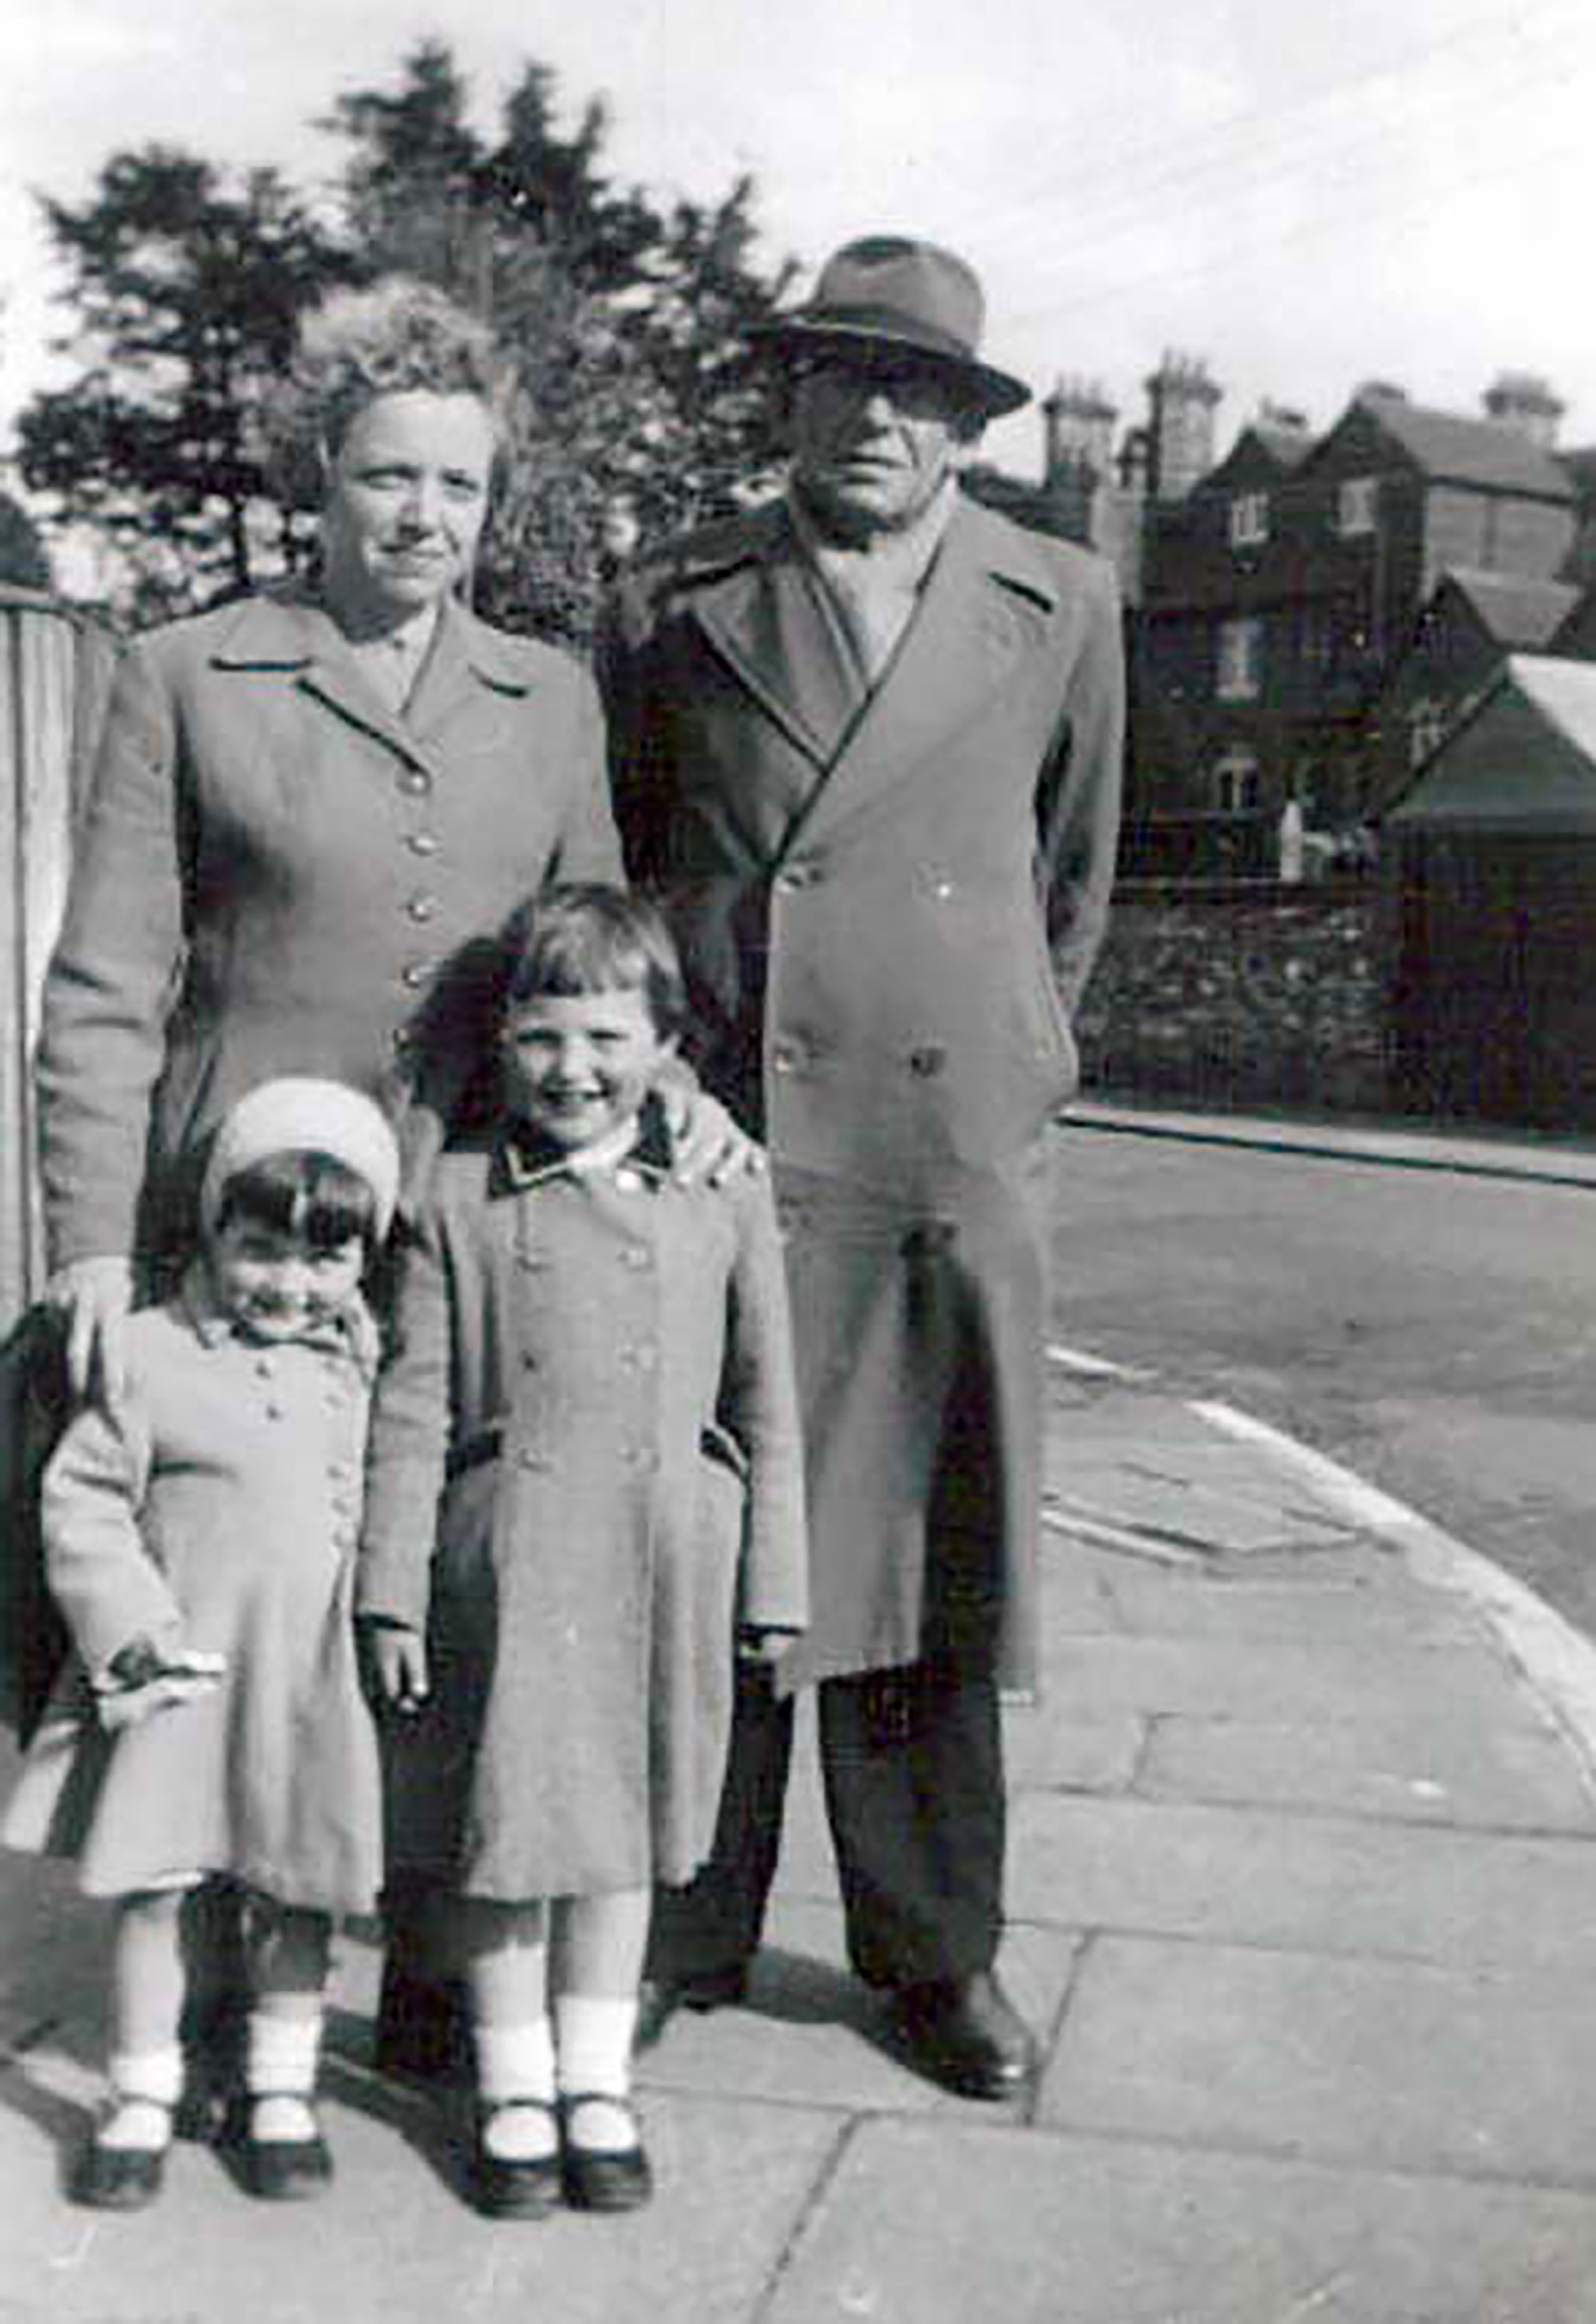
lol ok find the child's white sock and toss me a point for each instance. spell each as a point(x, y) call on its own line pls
point(279, 2074)
point(145, 2086)
point(517, 2062)
point(594, 2040)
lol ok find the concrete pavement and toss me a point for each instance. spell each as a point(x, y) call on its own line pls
point(1303, 1898)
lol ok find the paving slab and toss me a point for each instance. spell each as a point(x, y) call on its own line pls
point(1191, 1515)
point(1332, 1885)
point(1046, 1749)
point(1302, 1681)
point(925, 2228)
point(1078, 1595)
point(1419, 1765)
point(812, 2034)
point(394, 2241)
point(1402, 2066)
point(1321, 1598)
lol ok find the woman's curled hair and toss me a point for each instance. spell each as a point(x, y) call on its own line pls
point(397, 335)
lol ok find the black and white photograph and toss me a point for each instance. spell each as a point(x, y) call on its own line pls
point(797, 1162)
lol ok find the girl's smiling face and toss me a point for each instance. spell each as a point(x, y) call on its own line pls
point(577, 1066)
point(279, 1283)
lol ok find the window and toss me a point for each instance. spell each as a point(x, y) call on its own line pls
point(1249, 519)
point(1355, 504)
point(1234, 777)
point(1240, 664)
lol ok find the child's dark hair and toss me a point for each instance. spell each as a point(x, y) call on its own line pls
point(586, 937)
point(302, 1193)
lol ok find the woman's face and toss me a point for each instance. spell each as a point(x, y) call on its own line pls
point(406, 501)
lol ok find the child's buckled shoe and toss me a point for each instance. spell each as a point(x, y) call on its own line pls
point(121, 2178)
point(515, 2186)
point(604, 2178)
point(278, 2170)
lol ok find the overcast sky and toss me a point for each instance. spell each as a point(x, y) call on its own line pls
point(1307, 197)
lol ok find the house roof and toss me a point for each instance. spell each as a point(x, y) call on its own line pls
point(1456, 449)
point(1471, 780)
point(1290, 446)
point(1261, 454)
point(1512, 608)
point(1563, 691)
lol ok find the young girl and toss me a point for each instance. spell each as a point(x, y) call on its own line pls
point(200, 1544)
point(591, 1413)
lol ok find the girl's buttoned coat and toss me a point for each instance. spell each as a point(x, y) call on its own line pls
point(585, 1470)
point(277, 874)
point(889, 902)
point(220, 1512)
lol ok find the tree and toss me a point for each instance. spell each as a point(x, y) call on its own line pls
point(185, 295)
point(23, 564)
point(636, 408)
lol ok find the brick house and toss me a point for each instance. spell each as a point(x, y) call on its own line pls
point(1279, 590)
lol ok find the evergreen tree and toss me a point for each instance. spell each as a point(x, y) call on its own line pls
point(23, 564)
point(635, 411)
point(185, 295)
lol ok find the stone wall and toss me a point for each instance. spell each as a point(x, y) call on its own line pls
point(1245, 993)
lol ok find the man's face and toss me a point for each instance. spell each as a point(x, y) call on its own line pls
point(872, 439)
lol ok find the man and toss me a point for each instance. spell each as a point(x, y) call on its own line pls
point(865, 745)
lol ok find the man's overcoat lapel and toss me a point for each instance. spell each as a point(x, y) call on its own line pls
point(767, 623)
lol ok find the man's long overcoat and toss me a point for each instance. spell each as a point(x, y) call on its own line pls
point(889, 906)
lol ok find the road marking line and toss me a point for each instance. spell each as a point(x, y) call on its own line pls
point(1090, 1367)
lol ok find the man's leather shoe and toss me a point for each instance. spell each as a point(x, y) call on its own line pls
point(964, 2033)
point(661, 1997)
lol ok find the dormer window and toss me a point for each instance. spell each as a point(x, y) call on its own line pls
point(1355, 504)
point(1249, 519)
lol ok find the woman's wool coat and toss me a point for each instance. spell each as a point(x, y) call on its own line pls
point(220, 1512)
point(889, 903)
point(278, 874)
point(585, 1472)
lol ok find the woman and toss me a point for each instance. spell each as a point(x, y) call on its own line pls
point(308, 806)
point(312, 810)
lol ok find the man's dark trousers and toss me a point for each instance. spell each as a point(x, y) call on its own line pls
point(912, 1765)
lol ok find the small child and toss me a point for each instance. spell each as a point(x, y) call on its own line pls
point(585, 1479)
point(200, 1544)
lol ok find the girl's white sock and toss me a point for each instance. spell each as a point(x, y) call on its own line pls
point(145, 2086)
point(515, 2061)
point(593, 2038)
point(593, 2042)
point(281, 2053)
point(279, 2074)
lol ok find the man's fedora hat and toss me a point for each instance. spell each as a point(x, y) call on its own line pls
point(897, 296)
